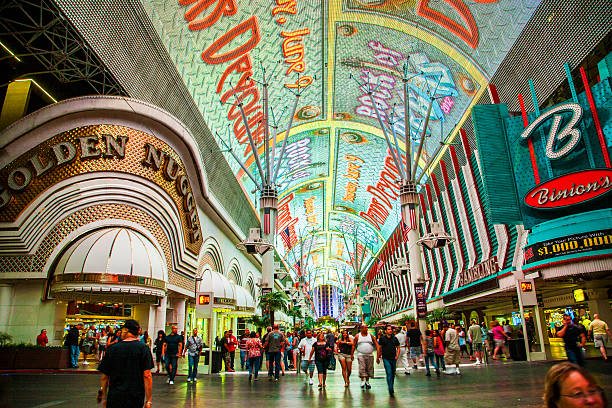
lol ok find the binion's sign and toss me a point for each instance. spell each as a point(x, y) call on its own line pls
point(571, 188)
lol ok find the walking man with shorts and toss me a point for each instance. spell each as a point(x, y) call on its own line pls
point(415, 341)
point(305, 347)
point(600, 332)
point(365, 344)
point(452, 355)
point(475, 336)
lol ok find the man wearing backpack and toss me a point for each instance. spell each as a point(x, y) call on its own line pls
point(193, 348)
point(273, 343)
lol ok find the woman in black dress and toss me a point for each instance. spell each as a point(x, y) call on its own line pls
point(158, 347)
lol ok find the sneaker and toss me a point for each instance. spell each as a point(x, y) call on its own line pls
point(310, 381)
point(414, 367)
point(168, 381)
point(458, 372)
point(478, 362)
point(194, 379)
point(407, 372)
point(275, 379)
point(188, 379)
point(428, 375)
point(171, 383)
point(449, 372)
point(368, 386)
point(363, 384)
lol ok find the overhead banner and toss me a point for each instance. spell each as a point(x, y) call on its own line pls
point(421, 300)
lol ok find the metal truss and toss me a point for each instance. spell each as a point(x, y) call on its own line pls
point(45, 34)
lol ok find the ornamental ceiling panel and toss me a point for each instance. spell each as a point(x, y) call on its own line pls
point(337, 175)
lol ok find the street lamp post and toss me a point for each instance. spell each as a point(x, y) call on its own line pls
point(268, 173)
point(407, 168)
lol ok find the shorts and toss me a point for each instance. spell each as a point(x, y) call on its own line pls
point(600, 340)
point(158, 358)
point(498, 342)
point(347, 357)
point(415, 352)
point(477, 346)
point(366, 365)
point(308, 367)
point(452, 357)
point(322, 367)
point(463, 347)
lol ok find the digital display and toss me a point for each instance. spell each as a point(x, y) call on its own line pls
point(337, 166)
point(203, 299)
point(590, 241)
point(579, 295)
point(526, 286)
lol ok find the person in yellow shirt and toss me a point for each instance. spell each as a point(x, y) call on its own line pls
point(600, 332)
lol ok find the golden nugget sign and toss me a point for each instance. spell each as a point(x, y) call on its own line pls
point(92, 149)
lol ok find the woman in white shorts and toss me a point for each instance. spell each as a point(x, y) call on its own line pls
point(344, 346)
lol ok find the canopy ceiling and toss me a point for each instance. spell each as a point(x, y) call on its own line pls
point(337, 170)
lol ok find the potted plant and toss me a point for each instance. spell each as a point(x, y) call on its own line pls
point(273, 301)
point(28, 356)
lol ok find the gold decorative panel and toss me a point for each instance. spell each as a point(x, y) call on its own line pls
point(31, 174)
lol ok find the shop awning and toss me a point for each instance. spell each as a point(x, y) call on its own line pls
point(244, 300)
point(111, 260)
point(217, 284)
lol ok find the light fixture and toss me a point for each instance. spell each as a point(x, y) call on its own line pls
point(39, 87)
point(9, 51)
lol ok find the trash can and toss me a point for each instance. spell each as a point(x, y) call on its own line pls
point(516, 347)
point(217, 360)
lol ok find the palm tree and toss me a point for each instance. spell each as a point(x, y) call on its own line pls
point(273, 301)
point(296, 313)
point(260, 322)
point(441, 314)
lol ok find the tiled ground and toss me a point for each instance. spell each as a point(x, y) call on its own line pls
point(511, 384)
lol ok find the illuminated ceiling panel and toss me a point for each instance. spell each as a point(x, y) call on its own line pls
point(337, 170)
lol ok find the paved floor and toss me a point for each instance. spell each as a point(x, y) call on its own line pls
point(515, 384)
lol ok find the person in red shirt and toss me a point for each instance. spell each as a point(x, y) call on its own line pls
point(232, 343)
point(41, 339)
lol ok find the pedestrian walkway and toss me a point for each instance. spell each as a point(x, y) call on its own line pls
point(514, 385)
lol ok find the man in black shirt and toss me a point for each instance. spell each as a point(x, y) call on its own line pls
point(571, 335)
point(126, 371)
point(415, 343)
point(173, 347)
point(389, 349)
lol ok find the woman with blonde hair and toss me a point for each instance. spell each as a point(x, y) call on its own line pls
point(568, 385)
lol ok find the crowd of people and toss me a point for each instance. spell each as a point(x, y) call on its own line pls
point(127, 361)
point(397, 348)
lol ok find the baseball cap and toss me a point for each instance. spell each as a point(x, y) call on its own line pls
point(132, 326)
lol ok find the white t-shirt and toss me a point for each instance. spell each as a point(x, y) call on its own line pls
point(401, 337)
point(452, 338)
point(306, 343)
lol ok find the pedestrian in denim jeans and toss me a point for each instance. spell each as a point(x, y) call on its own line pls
point(72, 343)
point(428, 352)
point(253, 349)
point(244, 360)
point(193, 347)
point(389, 350)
